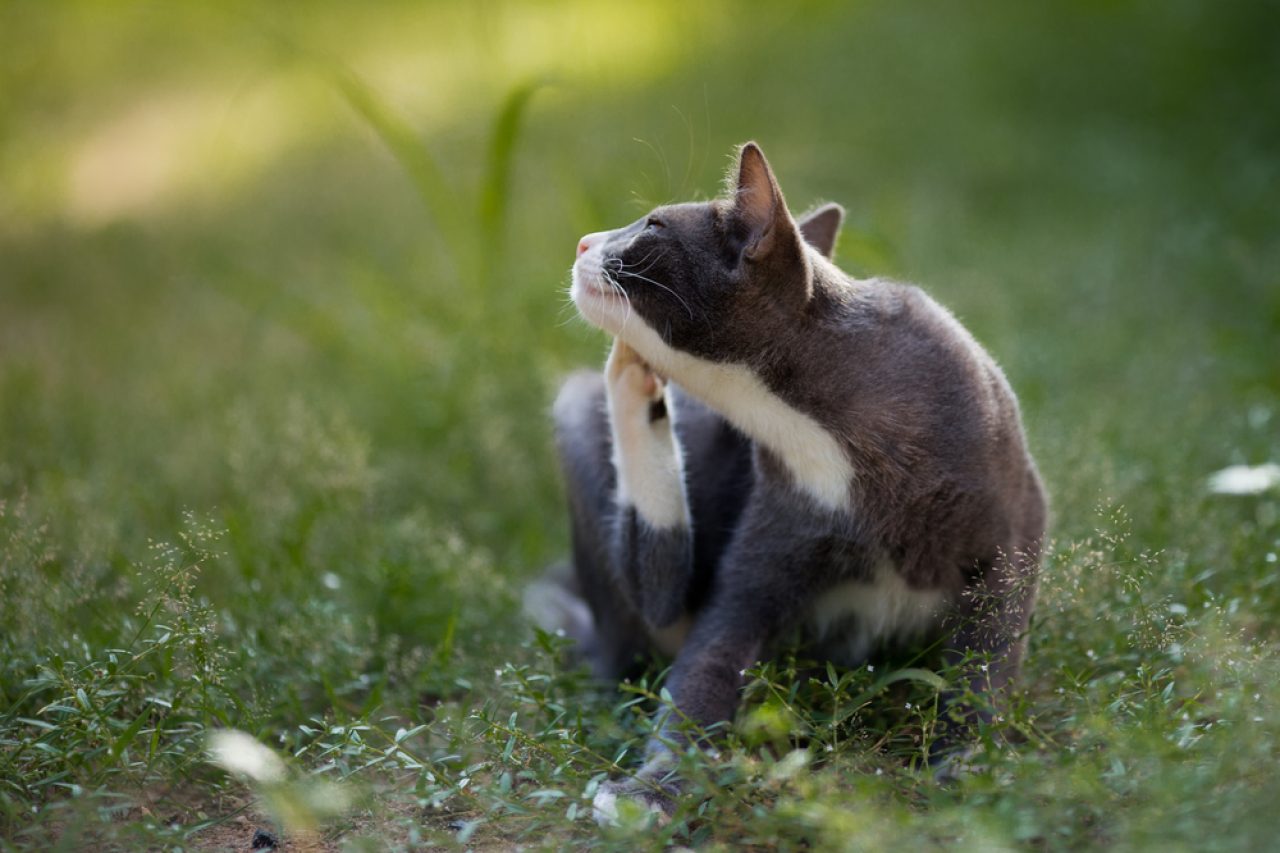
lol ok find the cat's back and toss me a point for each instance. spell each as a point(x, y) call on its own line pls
point(924, 407)
point(907, 356)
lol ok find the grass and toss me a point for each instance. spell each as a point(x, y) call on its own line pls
point(281, 317)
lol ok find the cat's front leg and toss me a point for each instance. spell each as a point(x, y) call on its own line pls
point(651, 544)
point(765, 580)
point(705, 685)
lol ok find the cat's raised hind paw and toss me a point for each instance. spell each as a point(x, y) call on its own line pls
point(634, 387)
point(646, 455)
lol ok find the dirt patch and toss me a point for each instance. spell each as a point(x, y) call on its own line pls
point(242, 832)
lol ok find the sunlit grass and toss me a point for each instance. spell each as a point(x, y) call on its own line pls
point(163, 145)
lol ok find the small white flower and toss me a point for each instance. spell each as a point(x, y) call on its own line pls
point(983, 667)
point(1245, 479)
point(241, 753)
point(330, 580)
point(908, 706)
point(870, 668)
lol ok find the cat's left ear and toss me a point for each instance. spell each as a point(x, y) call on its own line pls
point(759, 206)
point(821, 226)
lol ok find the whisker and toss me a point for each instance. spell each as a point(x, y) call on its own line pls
point(678, 297)
point(646, 263)
point(568, 311)
point(647, 267)
point(617, 288)
point(618, 267)
point(624, 265)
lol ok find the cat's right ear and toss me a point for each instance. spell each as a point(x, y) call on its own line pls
point(759, 206)
point(821, 227)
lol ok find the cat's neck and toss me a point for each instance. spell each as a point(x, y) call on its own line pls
point(814, 457)
point(800, 356)
point(741, 391)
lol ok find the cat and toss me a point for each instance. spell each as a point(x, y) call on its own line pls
point(775, 447)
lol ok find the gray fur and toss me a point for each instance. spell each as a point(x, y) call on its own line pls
point(944, 490)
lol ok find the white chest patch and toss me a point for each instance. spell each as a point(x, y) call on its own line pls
point(815, 459)
point(817, 462)
point(851, 619)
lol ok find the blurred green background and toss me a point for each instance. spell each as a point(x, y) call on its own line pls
point(291, 277)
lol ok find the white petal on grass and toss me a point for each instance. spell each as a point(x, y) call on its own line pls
point(242, 754)
point(1245, 479)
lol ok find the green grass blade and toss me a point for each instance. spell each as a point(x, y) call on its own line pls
point(917, 674)
point(495, 192)
point(126, 737)
point(409, 150)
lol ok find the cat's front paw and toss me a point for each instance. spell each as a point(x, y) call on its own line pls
point(642, 799)
point(952, 766)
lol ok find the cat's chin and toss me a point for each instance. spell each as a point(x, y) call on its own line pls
point(600, 307)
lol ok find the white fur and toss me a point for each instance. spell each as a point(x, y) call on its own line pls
point(648, 463)
point(605, 808)
point(815, 459)
point(853, 617)
point(646, 456)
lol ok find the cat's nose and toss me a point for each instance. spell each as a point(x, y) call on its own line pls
point(590, 240)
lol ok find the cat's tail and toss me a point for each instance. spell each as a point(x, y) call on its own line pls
point(554, 604)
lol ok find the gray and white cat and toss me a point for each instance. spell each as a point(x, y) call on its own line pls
point(775, 448)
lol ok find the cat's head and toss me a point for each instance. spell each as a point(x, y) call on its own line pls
point(713, 279)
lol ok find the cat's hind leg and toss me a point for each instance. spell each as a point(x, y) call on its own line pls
point(611, 636)
point(987, 646)
point(651, 550)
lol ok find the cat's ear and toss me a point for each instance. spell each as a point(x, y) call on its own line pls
point(821, 227)
point(759, 206)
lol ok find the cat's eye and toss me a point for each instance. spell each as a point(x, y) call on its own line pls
point(654, 222)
